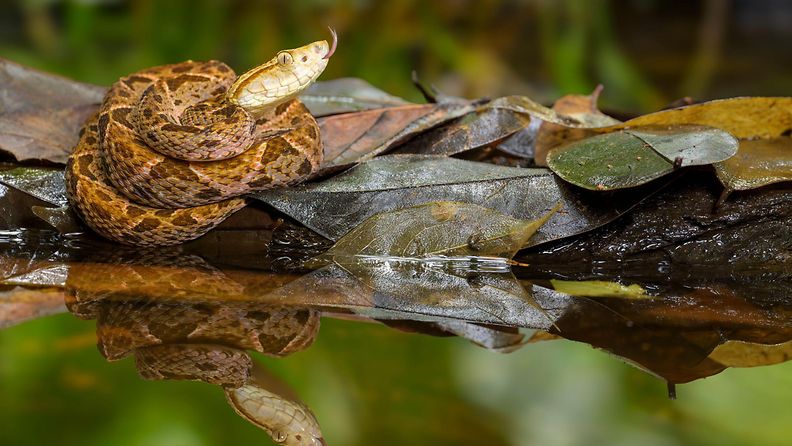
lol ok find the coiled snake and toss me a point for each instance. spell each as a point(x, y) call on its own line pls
point(174, 148)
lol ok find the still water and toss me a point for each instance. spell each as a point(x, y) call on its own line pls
point(232, 328)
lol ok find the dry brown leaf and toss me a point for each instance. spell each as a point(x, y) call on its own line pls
point(354, 137)
point(41, 114)
point(580, 107)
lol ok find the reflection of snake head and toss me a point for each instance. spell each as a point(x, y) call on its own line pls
point(286, 422)
point(283, 77)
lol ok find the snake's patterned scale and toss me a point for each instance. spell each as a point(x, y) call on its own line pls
point(173, 148)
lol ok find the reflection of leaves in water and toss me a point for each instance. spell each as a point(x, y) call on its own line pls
point(441, 228)
point(751, 354)
point(599, 288)
point(414, 288)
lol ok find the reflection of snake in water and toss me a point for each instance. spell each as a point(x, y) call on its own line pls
point(200, 338)
point(174, 147)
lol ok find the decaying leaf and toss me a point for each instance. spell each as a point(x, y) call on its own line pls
point(524, 105)
point(599, 288)
point(583, 108)
point(346, 95)
point(335, 206)
point(751, 354)
point(438, 229)
point(42, 113)
point(636, 156)
point(469, 132)
point(356, 137)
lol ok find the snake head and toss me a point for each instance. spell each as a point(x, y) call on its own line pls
point(282, 78)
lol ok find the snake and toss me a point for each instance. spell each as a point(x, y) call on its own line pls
point(208, 340)
point(174, 149)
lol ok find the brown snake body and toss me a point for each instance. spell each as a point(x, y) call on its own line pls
point(174, 148)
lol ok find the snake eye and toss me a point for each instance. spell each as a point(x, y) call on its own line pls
point(280, 437)
point(285, 58)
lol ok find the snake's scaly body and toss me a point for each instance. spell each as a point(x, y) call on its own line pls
point(173, 148)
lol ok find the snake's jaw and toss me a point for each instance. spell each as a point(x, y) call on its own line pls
point(282, 78)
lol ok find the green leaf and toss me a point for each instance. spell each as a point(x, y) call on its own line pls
point(636, 156)
point(605, 162)
point(762, 125)
point(689, 145)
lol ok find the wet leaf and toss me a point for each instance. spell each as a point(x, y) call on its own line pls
point(43, 183)
point(636, 156)
point(438, 229)
point(759, 162)
point(599, 288)
point(62, 219)
point(469, 132)
point(335, 206)
point(356, 137)
point(751, 354)
point(346, 95)
point(41, 114)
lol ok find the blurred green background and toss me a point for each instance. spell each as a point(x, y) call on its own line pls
point(647, 53)
point(367, 383)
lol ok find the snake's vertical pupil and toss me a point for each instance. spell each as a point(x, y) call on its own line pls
point(284, 58)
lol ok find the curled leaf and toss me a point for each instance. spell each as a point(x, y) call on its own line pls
point(469, 132)
point(346, 95)
point(355, 137)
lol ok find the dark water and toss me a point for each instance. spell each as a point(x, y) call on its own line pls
point(381, 369)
